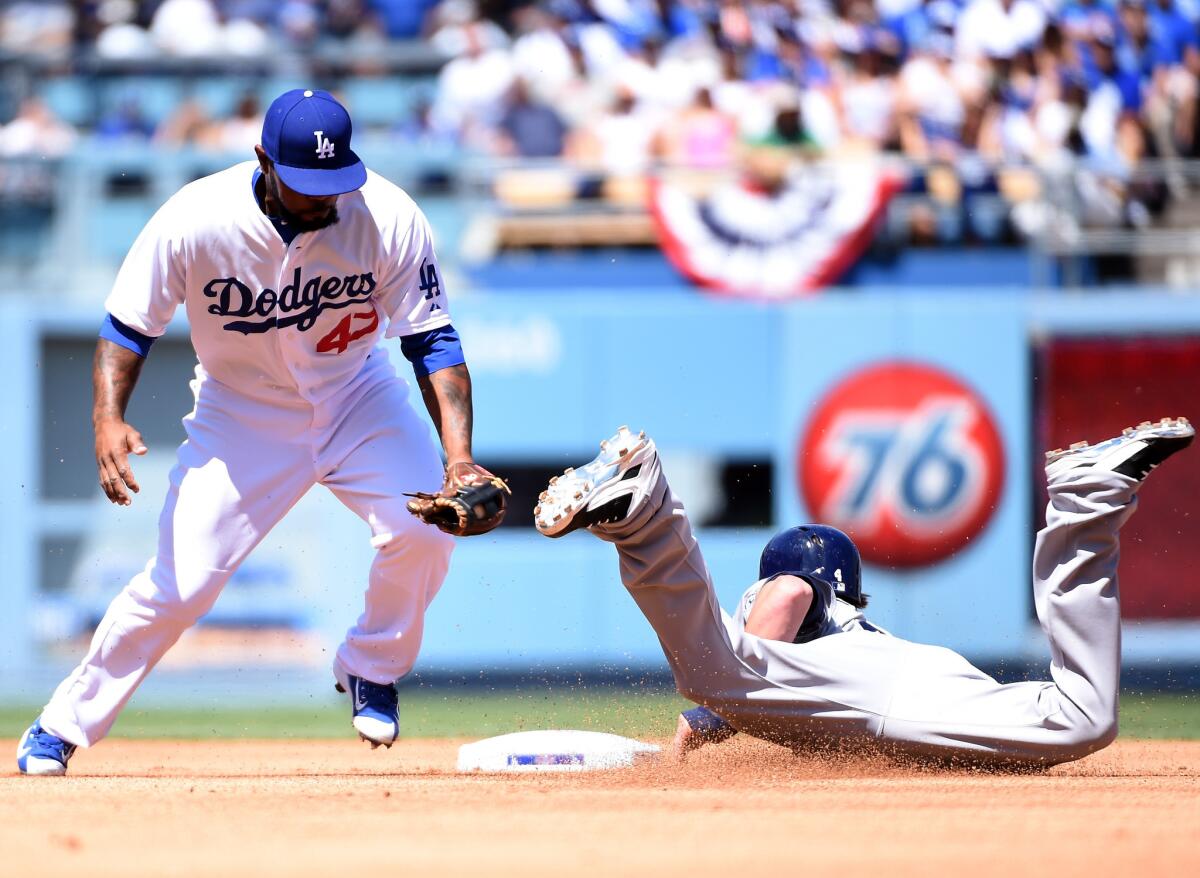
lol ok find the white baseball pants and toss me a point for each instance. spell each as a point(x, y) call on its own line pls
point(244, 464)
point(871, 688)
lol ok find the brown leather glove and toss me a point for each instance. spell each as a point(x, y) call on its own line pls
point(472, 501)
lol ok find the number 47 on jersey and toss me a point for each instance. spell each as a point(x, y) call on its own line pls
point(355, 326)
point(349, 328)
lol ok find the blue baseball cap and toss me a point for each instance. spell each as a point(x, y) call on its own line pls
point(306, 133)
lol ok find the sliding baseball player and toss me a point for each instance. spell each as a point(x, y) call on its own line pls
point(801, 666)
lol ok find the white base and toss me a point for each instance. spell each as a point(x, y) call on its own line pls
point(553, 750)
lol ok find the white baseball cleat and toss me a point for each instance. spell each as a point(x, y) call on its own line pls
point(1134, 453)
point(605, 491)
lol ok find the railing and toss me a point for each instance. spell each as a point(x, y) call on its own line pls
point(68, 222)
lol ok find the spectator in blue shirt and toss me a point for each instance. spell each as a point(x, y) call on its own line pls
point(529, 128)
point(1106, 70)
point(1136, 50)
point(402, 19)
point(1173, 30)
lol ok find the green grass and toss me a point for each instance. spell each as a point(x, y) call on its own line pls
point(423, 714)
point(436, 714)
point(1146, 715)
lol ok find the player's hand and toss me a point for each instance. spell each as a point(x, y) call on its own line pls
point(472, 501)
point(686, 740)
point(464, 474)
point(115, 441)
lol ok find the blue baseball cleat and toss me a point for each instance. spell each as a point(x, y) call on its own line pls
point(376, 709)
point(42, 753)
point(606, 490)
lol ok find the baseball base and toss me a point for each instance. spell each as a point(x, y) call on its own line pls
point(553, 750)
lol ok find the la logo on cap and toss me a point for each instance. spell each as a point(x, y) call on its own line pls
point(328, 167)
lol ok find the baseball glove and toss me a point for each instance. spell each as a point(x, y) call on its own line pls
point(472, 501)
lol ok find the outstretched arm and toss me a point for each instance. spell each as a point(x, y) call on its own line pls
point(779, 611)
point(115, 371)
point(697, 727)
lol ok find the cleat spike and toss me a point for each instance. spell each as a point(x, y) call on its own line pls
point(1128, 431)
point(554, 480)
point(1075, 446)
point(1143, 425)
point(603, 491)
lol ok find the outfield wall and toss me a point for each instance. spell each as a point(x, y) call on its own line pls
point(911, 420)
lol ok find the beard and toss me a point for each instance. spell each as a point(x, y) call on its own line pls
point(301, 224)
point(293, 220)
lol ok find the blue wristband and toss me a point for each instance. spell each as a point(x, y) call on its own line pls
point(704, 722)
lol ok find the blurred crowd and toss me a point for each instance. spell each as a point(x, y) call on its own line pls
point(628, 80)
point(1010, 81)
point(1097, 85)
point(132, 29)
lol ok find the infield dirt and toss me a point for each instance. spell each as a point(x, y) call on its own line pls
point(259, 808)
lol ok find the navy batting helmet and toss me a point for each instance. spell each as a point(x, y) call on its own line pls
point(816, 551)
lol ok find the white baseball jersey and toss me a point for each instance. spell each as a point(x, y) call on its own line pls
point(272, 320)
point(287, 341)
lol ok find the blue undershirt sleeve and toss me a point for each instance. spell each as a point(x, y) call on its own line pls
point(433, 350)
point(118, 333)
point(707, 724)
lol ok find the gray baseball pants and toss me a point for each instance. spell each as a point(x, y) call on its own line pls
point(911, 699)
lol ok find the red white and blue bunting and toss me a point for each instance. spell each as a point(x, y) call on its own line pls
point(743, 241)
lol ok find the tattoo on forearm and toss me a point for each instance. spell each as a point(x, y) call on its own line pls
point(115, 372)
point(447, 395)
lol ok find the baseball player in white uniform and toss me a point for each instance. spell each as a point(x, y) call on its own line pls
point(292, 268)
point(804, 668)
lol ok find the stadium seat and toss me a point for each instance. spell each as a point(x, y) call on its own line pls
point(157, 96)
point(69, 98)
point(381, 102)
point(218, 95)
